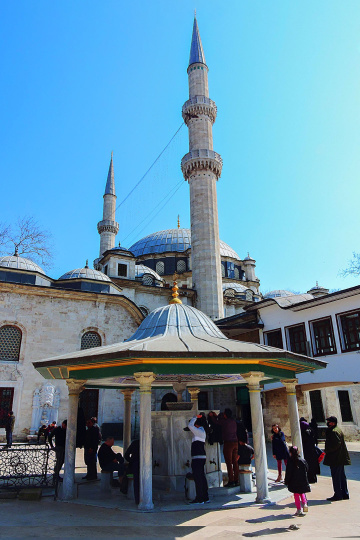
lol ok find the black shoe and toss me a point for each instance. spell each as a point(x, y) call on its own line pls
point(333, 498)
point(346, 497)
point(230, 484)
point(206, 501)
point(85, 477)
point(195, 501)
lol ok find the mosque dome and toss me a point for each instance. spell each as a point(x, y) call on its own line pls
point(177, 320)
point(85, 273)
point(170, 240)
point(141, 270)
point(20, 263)
point(278, 294)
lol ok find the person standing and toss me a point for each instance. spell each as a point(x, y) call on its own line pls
point(198, 426)
point(336, 457)
point(9, 428)
point(59, 434)
point(92, 440)
point(279, 449)
point(229, 433)
point(296, 480)
point(310, 454)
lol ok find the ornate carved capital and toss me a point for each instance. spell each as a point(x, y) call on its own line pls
point(253, 379)
point(127, 392)
point(75, 386)
point(194, 393)
point(290, 385)
point(145, 380)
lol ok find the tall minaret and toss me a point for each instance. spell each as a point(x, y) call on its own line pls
point(108, 228)
point(202, 168)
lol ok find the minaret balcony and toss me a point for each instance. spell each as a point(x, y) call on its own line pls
point(199, 160)
point(199, 106)
point(107, 225)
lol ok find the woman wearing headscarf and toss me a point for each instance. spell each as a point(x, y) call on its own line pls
point(309, 449)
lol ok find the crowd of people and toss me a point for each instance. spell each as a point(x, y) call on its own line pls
point(300, 470)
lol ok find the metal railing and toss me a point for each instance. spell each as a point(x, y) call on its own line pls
point(27, 465)
point(201, 153)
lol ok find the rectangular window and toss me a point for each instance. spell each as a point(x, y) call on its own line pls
point(350, 331)
point(323, 337)
point(345, 407)
point(6, 403)
point(203, 401)
point(317, 409)
point(274, 339)
point(122, 270)
point(297, 339)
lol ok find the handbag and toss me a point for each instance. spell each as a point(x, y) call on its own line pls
point(320, 454)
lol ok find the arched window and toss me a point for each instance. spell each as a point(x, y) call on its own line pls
point(10, 342)
point(148, 279)
point(90, 340)
point(236, 273)
point(181, 267)
point(160, 268)
point(144, 310)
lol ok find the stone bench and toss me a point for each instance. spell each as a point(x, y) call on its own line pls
point(106, 481)
point(245, 479)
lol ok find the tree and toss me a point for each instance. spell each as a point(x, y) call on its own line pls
point(26, 238)
point(353, 268)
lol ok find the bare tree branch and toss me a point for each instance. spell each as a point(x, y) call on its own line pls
point(353, 268)
point(28, 239)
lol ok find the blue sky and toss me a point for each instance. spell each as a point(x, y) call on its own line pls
point(80, 79)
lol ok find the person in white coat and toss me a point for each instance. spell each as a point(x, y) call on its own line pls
point(198, 427)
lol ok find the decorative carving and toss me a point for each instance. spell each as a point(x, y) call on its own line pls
point(145, 381)
point(199, 106)
point(290, 385)
point(199, 160)
point(253, 379)
point(10, 372)
point(127, 392)
point(47, 395)
point(75, 386)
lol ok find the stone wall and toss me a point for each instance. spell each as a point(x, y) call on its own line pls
point(52, 323)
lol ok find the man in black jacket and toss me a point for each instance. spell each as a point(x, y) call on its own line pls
point(109, 461)
point(59, 434)
point(336, 457)
point(92, 440)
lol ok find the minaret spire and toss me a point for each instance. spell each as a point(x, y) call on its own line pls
point(108, 227)
point(201, 167)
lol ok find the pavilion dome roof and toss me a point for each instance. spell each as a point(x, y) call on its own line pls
point(85, 273)
point(20, 263)
point(173, 240)
point(141, 269)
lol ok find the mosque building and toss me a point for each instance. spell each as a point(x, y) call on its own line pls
point(41, 317)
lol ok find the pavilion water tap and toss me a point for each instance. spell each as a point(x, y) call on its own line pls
point(187, 464)
point(156, 464)
point(212, 462)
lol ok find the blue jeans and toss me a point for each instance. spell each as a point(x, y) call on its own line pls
point(339, 481)
point(9, 438)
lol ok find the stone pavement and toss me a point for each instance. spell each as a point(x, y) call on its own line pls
point(49, 519)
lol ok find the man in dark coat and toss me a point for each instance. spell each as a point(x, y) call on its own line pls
point(9, 428)
point(109, 461)
point(310, 455)
point(92, 440)
point(336, 457)
point(59, 434)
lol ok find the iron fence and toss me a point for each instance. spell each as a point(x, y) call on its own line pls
point(27, 466)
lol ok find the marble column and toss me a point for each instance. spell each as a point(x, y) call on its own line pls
point(253, 379)
point(194, 398)
point(290, 385)
point(68, 486)
point(145, 380)
point(127, 392)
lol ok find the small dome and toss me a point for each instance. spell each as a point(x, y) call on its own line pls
point(20, 263)
point(141, 269)
point(278, 294)
point(237, 287)
point(85, 273)
point(170, 240)
point(121, 249)
point(177, 319)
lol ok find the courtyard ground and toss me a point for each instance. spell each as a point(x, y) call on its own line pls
point(50, 519)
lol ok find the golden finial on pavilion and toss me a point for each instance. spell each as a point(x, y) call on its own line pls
point(178, 221)
point(175, 294)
